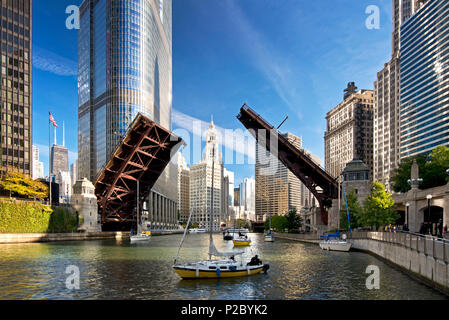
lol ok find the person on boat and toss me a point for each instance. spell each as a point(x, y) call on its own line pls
point(132, 232)
point(255, 261)
point(232, 258)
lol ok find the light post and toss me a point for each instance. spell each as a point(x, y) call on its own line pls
point(429, 198)
point(407, 208)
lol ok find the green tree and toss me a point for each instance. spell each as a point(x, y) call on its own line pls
point(378, 208)
point(354, 211)
point(22, 185)
point(432, 169)
point(294, 221)
point(278, 223)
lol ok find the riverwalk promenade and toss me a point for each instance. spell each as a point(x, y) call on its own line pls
point(8, 238)
point(425, 258)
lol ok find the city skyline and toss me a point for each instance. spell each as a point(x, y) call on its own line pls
point(297, 95)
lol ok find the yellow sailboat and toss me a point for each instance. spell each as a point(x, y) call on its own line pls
point(227, 267)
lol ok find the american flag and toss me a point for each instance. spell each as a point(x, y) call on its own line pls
point(52, 120)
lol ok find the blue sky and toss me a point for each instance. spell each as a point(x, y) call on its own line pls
point(280, 57)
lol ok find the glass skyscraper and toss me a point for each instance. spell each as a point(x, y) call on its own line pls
point(125, 67)
point(424, 63)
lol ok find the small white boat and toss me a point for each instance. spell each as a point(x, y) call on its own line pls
point(269, 238)
point(140, 237)
point(197, 230)
point(335, 245)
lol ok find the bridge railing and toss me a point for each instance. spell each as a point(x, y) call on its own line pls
point(425, 244)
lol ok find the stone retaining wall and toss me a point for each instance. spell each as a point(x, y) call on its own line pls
point(427, 258)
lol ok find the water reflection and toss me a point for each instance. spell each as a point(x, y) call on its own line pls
point(117, 269)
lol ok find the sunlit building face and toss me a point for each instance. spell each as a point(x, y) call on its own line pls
point(125, 67)
point(424, 65)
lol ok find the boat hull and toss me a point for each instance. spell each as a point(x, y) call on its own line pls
point(336, 246)
point(206, 274)
point(269, 239)
point(140, 238)
point(241, 242)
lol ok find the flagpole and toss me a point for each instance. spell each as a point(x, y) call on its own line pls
point(49, 157)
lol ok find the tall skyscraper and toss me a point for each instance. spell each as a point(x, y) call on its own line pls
point(125, 67)
point(38, 166)
point(204, 176)
point(349, 133)
point(16, 86)
point(277, 189)
point(59, 159)
point(386, 156)
point(183, 188)
point(424, 85)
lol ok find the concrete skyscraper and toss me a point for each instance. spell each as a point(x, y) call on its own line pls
point(349, 133)
point(16, 86)
point(203, 176)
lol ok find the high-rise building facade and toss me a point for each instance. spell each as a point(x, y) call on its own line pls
point(424, 79)
point(205, 177)
point(278, 190)
point(38, 166)
point(183, 188)
point(125, 67)
point(349, 133)
point(386, 137)
point(59, 159)
point(16, 86)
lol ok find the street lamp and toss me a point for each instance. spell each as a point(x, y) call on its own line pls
point(407, 206)
point(429, 198)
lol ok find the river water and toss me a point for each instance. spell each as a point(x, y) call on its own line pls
point(111, 269)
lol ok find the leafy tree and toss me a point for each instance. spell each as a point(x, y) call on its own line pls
point(294, 221)
point(355, 211)
point(22, 185)
point(278, 223)
point(378, 208)
point(432, 169)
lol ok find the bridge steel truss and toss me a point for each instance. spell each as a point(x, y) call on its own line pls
point(323, 186)
point(141, 157)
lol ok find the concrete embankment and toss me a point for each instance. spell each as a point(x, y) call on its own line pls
point(426, 259)
point(6, 238)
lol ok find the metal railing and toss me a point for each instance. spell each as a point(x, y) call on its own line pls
point(435, 247)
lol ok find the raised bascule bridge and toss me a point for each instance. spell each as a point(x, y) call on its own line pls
point(139, 160)
point(323, 186)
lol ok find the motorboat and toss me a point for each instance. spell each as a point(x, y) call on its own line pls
point(197, 230)
point(144, 236)
point(241, 240)
point(336, 245)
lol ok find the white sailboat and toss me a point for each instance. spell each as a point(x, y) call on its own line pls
point(269, 237)
point(338, 244)
point(224, 267)
point(141, 234)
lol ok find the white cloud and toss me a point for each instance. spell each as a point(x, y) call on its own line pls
point(48, 61)
point(271, 64)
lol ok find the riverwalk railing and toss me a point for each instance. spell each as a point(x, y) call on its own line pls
point(426, 244)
